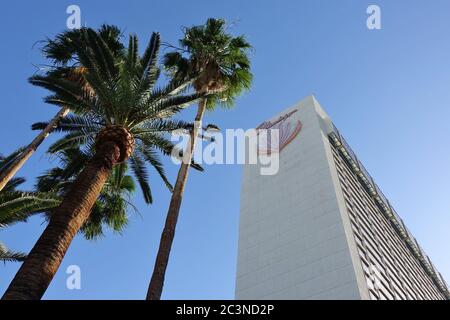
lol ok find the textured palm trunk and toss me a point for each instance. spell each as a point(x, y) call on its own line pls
point(157, 281)
point(9, 173)
point(36, 273)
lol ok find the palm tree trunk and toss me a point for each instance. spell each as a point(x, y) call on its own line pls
point(36, 273)
point(11, 170)
point(157, 281)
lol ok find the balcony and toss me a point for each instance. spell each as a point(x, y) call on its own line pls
point(382, 202)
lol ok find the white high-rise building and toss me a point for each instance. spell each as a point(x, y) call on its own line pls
point(320, 228)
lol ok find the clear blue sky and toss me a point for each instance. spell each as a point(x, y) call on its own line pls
point(388, 91)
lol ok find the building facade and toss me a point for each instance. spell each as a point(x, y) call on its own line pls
point(321, 228)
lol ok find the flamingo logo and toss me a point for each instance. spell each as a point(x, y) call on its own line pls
point(286, 130)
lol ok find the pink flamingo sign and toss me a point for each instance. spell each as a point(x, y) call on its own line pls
point(287, 131)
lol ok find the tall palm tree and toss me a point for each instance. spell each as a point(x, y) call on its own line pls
point(124, 120)
point(61, 51)
point(220, 66)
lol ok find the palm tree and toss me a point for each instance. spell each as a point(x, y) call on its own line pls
point(124, 120)
point(17, 206)
point(61, 51)
point(220, 65)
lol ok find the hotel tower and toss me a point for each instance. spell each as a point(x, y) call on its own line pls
point(321, 228)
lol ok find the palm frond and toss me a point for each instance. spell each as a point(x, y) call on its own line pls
point(72, 122)
point(13, 184)
point(72, 140)
point(140, 172)
point(10, 256)
point(6, 161)
point(169, 107)
point(152, 158)
point(19, 206)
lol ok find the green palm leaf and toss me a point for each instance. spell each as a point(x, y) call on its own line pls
point(139, 169)
point(10, 256)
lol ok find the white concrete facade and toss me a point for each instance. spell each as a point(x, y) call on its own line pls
point(295, 239)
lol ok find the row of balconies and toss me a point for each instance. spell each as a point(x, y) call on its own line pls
point(372, 188)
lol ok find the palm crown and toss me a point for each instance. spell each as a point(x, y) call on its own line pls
point(217, 60)
point(119, 93)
